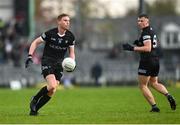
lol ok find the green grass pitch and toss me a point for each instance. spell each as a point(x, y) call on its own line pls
point(107, 105)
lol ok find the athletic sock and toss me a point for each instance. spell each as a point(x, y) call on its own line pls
point(42, 91)
point(167, 94)
point(42, 101)
point(154, 106)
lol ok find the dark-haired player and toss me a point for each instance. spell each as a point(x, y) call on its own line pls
point(57, 41)
point(147, 45)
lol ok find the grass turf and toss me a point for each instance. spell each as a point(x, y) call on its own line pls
point(88, 105)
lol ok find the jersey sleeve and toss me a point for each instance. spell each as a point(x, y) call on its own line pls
point(146, 35)
point(72, 40)
point(45, 36)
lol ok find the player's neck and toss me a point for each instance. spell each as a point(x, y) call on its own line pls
point(61, 31)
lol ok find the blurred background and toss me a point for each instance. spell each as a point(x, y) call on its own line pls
point(100, 28)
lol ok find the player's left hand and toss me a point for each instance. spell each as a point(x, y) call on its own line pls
point(128, 47)
point(29, 61)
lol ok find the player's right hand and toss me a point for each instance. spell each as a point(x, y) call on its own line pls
point(128, 47)
point(29, 61)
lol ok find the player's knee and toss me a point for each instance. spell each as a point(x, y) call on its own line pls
point(154, 83)
point(51, 92)
point(142, 86)
point(52, 88)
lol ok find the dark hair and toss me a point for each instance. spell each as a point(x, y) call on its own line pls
point(61, 16)
point(143, 15)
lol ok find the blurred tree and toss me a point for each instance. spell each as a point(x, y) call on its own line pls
point(132, 12)
point(159, 7)
point(87, 10)
point(82, 11)
point(37, 9)
point(162, 7)
point(21, 12)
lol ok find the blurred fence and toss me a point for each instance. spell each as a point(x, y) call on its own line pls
point(117, 71)
point(26, 77)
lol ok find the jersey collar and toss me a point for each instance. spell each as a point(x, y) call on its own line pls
point(61, 35)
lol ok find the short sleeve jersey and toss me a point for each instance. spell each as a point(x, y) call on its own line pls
point(56, 45)
point(148, 34)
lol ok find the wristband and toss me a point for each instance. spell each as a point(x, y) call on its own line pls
point(29, 55)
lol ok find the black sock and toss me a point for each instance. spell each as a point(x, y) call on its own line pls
point(154, 106)
point(42, 91)
point(167, 95)
point(42, 101)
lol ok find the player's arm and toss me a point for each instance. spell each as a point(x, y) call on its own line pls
point(145, 48)
point(72, 52)
point(34, 45)
point(72, 47)
point(32, 48)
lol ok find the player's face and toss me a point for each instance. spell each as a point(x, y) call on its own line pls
point(64, 23)
point(143, 22)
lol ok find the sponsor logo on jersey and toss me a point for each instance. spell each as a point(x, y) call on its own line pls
point(60, 40)
point(53, 39)
point(57, 47)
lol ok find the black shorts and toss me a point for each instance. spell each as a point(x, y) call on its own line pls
point(51, 67)
point(149, 67)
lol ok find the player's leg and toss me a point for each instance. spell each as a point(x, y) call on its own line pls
point(157, 86)
point(42, 96)
point(51, 87)
point(143, 84)
point(53, 81)
point(162, 89)
point(143, 77)
point(35, 99)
